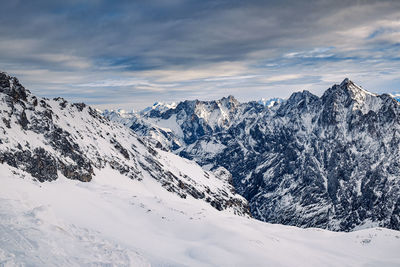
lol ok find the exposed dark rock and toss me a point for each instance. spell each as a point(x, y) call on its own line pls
point(7, 122)
point(120, 148)
point(23, 120)
point(330, 162)
point(12, 87)
point(79, 106)
point(81, 169)
point(40, 164)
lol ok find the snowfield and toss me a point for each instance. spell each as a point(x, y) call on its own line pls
point(79, 190)
point(116, 221)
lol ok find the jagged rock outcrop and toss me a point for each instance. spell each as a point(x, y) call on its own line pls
point(185, 123)
point(331, 161)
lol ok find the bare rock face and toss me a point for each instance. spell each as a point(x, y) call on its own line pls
point(12, 87)
point(39, 163)
point(331, 162)
point(48, 138)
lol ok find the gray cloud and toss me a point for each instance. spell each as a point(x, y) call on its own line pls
point(147, 50)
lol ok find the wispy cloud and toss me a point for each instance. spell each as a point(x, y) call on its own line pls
point(136, 52)
point(320, 52)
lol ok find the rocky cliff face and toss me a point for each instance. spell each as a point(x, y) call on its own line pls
point(185, 123)
point(331, 162)
point(52, 138)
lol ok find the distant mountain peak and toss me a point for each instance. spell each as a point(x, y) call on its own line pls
point(347, 92)
point(11, 86)
point(158, 106)
point(395, 95)
point(230, 98)
point(345, 82)
point(229, 102)
point(325, 161)
point(270, 102)
point(349, 85)
point(300, 95)
point(118, 113)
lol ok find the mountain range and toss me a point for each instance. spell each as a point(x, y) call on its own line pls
point(82, 189)
point(48, 138)
point(330, 162)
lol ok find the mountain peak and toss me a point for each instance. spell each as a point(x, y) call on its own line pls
point(229, 98)
point(299, 96)
point(270, 102)
point(345, 82)
point(229, 101)
point(347, 90)
point(11, 86)
point(349, 85)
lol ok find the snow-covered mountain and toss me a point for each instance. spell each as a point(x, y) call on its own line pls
point(114, 221)
point(80, 190)
point(53, 138)
point(270, 102)
point(396, 96)
point(331, 162)
point(158, 106)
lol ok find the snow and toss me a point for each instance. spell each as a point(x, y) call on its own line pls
point(119, 115)
point(114, 220)
point(169, 125)
point(360, 132)
point(270, 102)
point(104, 143)
point(159, 106)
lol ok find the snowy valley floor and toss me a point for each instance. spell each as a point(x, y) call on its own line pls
point(120, 222)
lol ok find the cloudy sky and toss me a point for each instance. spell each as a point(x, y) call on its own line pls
point(130, 54)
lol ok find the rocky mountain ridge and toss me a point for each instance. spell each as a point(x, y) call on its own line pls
point(52, 138)
point(330, 162)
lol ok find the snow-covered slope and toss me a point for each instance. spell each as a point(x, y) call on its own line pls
point(396, 96)
point(331, 162)
point(158, 106)
point(270, 102)
point(114, 221)
point(47, 138)
point(79, 190)
point(121, 116)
